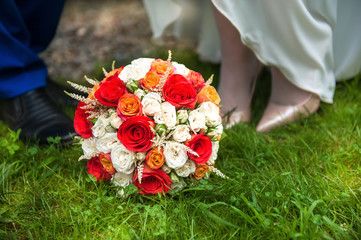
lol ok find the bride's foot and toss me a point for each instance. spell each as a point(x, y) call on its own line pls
point(236, 95)
point(287, 103)
point(239, 71)
point(233, 117)
point(277, 115)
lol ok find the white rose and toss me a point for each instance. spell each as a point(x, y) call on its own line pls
point(123, 160)
point(106, 142)
point(154, 96)
point(121, 179)
point(136, 70)
point(182, 116)
point(151, 104)
point(115, 120)
point(180, 69)
point(215, 132)
point(197, 120)
point(143, 62)
point(181, 133)
point(175, 154)
point(140, 155)
point(211, 113)
point(129, 72)
point(213, 157)
point(150, 107)
point(99, 128)
point(89, 147)
point(139, 93)
point(167, 115)
point(188, 168)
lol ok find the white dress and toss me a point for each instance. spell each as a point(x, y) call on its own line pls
point(313, 42)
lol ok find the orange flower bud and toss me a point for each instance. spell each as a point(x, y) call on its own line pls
point(208, 93)
point(91, 95)
point(106, 161)
point(155, 158)
point(201, 170)
point(129, 105)
point(115, 72)
point(150, 80)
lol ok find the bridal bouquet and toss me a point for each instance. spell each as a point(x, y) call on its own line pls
point(153, 123)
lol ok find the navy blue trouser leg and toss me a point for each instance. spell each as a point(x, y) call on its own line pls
point(26, 28)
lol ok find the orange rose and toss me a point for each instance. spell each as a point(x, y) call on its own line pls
point(115, 72)
point(201, 170)
point(91, 95)
point(197, 79)
point(160, 66)
point(150, 80)
point(155, 158)
point(129, 105)
point(106, 162)
point(208, 93)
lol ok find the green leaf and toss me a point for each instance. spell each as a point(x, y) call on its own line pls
point(215, 217)
point(33, 150)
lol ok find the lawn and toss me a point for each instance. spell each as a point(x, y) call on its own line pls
point(297, 182)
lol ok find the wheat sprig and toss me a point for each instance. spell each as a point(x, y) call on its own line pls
point(210, 80)
point(105, 72)
point(169, 56)
point(140, 169)
point(91, 81)
point(79, 87)
point(166, 74)
point(89, 156)
point(218, 172)
point(75, 96)
point(191, 151)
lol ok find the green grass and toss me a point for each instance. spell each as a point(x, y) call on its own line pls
point(297, 182)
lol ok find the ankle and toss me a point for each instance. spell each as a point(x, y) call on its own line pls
point(290, 98)
point(284, 92)
point(237, 86)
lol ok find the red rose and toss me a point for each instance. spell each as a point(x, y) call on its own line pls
point(135, 133)
point(202, 145)
point(180, 92)
point(96, 169)
point(153, 181)
point(81, 123)
point(110, 90)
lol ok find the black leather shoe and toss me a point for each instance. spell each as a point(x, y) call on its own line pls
point(56, 93)
point(37, 116)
